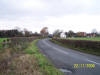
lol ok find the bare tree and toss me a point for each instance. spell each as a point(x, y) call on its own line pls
point(66, 33)
point(57, 33)
point(70, 33)
point(27, 33)
point(17, 28)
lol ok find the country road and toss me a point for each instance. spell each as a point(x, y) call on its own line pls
point(65, 58)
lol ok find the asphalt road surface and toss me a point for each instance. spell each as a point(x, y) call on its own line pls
point(65, 58)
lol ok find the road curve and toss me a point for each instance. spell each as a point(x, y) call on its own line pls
point(65, 58)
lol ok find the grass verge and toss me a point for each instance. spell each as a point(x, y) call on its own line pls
point(20, 60)
point(44, 64)
point(85, 38)
point(14, 60)
point(78, 49)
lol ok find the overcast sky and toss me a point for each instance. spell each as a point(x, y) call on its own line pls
point(76, 15)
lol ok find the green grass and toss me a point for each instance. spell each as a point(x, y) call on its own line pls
point(1, 40)
point(86, 38)
point(45, 66)
point(78, 49)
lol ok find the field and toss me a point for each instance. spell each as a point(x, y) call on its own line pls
point(1, 40)
point(86, 38)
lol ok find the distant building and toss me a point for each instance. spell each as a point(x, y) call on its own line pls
point(81, 34)
point(91, 35)
point(62, 35)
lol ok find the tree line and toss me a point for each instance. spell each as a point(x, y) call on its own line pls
point(17, 33)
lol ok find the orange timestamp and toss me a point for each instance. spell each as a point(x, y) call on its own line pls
point(84, 65)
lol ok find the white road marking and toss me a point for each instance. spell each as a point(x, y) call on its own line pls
point(46, 43)
point(93, 62)
point(65, 71)
point(57, 49)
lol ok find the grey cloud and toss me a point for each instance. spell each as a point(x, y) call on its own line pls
point(53, 8)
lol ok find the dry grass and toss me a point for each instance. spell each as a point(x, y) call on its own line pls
point(13, 60)
point(24, 65)
point(5, 54)
point(4, 59)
